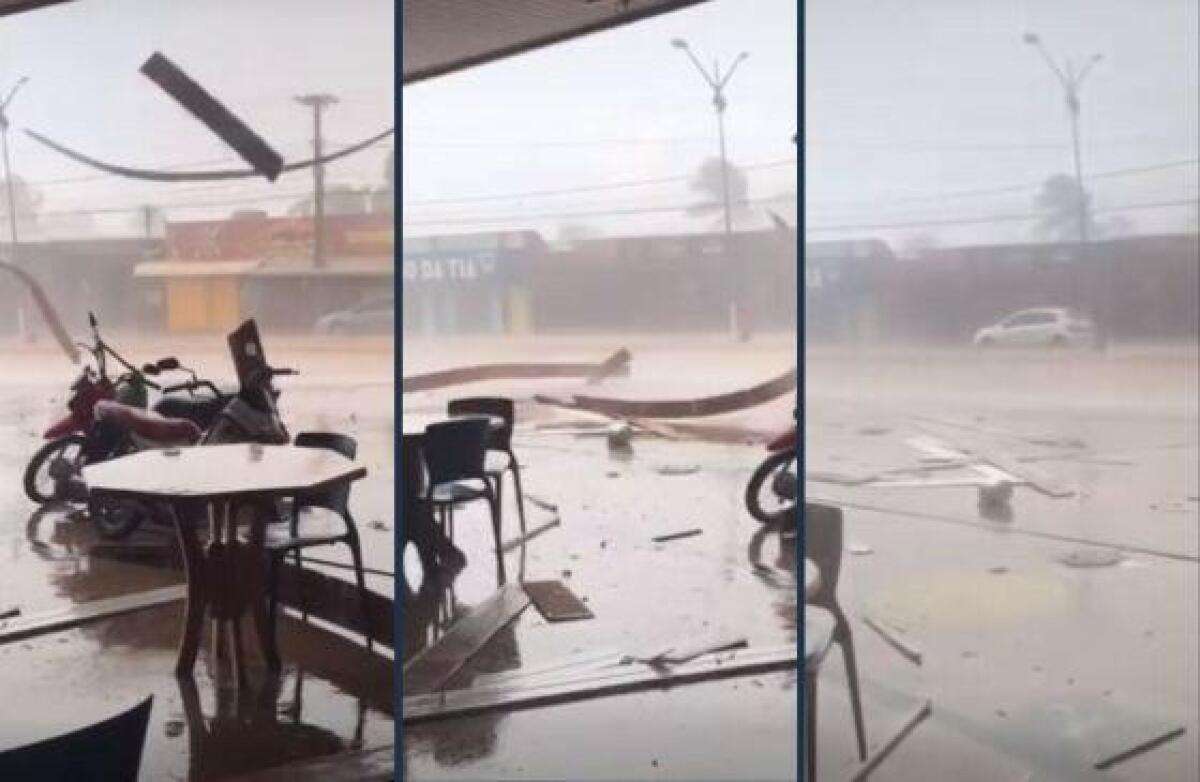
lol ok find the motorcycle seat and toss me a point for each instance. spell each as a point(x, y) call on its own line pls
point(147, 424)
point(200, 410)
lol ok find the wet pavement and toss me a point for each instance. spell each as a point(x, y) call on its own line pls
point(331, 696)
point(1037, 667)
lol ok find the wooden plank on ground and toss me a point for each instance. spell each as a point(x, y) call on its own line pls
point(373, 765)
point(555, 602)
point(595, 684)
point(32, 625)
point(435, 665)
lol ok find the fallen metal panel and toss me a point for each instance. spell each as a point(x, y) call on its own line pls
point(444, 36)
point(984, 451)
point(683, 408)
point(555, 602)
point(49, 314)
point(86, 613)
point(596, 684)
point(616, 364)
point(436, 664)
point(374, 765)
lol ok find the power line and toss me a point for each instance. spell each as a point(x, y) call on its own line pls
point(1120, 172)
point(1004, 218)
point(586, 188)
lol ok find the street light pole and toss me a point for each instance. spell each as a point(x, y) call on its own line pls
point(12, 199)
point(318, 102)
point(738, 325)
point(1071, 81)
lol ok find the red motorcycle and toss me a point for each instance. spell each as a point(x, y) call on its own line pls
point(62, 457)
point(778, 476)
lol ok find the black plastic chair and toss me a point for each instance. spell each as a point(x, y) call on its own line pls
point(455, 453)
point(499, 458)
point(336, 500)
point(825, 621)
point(109, 751)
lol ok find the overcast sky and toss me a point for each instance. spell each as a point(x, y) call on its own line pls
point(84, 90)
point(907, 104)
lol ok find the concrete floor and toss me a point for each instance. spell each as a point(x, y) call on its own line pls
point(331, 696)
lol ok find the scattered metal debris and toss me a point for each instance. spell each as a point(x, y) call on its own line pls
point(1139, 749)
point(676, 535)
point(594, 684)
point(434, 665)
point(1091, 557)
point(683, 408)
point(893, 639)
point(998, 571)
point(874, 431)
point(673, 657)
point(540, 503)
point(85, 613)
point(530, 535)
point(922, 714)
point(379, 525)
point(555, 602)
point(9, 613)
point(615, 364)
point(677, 469)
point(859, 549)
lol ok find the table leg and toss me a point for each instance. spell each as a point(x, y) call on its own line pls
point(197, 592)
point(256, 587)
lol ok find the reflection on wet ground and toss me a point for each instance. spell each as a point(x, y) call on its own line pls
point(332, 694)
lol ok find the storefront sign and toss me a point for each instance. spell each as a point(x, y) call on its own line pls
point(451, 268)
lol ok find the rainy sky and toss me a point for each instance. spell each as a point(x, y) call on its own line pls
point(909, 106)
point(84, 90)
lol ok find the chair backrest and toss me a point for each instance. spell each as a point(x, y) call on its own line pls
point(500, 439)
point(823, 545)
point(108, 750)
point(338, 498)
point(454, 450)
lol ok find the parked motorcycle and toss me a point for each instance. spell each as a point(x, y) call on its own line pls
point(249, 416)
point(62, 455)
point(773, 490)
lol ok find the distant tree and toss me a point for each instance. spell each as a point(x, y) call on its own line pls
point(708, 184)
point(1059, 203)
point(28, 204)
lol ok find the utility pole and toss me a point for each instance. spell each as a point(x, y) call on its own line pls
point(23, 325)
point(1071, 81)
point(738, 324)
point(318, 102)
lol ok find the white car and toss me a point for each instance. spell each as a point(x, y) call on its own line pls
point(1050, 326)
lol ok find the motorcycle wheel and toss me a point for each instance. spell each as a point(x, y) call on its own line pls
point(40, 484)
point(770, 468)
point(116, 519)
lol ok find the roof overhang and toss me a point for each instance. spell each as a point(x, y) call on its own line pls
point(9, 7)
point(443, 36)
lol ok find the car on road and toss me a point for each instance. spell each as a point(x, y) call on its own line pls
point(1046, 326)
point(373, 316)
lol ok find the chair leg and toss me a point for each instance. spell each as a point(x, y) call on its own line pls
point(494, 506)
point(516, 474)
point(298, 556)
point(845, 640)
point(271, 650)
point(360, 577)
point(810, 727)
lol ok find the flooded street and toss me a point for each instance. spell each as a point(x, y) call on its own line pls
point(331, 696)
